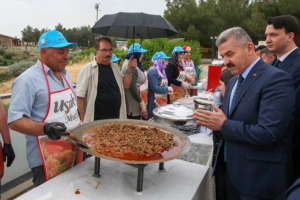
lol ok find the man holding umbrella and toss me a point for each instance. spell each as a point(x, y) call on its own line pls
point(100, 85)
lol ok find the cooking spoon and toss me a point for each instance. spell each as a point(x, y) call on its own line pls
point(72, 137)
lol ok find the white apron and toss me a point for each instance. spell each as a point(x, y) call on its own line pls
point(189, 68)
point(143, 90)
point(161, 99)
point(178, 92)
point(59, 155)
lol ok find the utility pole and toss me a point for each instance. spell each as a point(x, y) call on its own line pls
point(97, 9)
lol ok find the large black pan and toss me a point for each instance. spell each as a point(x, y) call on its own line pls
point(184, 147)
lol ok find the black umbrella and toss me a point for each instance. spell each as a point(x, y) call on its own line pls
point(132, 25)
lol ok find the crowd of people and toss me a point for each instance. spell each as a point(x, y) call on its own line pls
point(255, 118)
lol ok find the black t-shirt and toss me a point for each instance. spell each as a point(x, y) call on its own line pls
point(108, 99)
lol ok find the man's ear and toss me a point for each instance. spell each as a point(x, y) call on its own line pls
point(43, 51)
point(250, 48)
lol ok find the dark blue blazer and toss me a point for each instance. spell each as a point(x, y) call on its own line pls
point(293, 192)
point(291, 64)
point(258, 133)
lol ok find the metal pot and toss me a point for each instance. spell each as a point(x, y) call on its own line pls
point(174, 114)
point(203, 104)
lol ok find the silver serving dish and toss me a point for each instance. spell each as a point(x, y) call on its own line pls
point(172, 114)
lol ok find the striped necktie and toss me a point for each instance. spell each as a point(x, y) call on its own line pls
point(277, 63)
point(235, 95)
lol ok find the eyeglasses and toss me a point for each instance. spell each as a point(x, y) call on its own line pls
point(188, 52)
point(105, 50)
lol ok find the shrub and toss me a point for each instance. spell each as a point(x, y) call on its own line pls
point(17, 68)
point(2, 51)
point(4, 62)
point(73, 54)
point(6, 105)
point(166, 45)
point(8, 55)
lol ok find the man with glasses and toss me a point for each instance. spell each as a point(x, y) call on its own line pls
point(100, 85)
point(189, 66)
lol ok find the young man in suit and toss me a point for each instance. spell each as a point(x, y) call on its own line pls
point(255, 124)
point(281, 32)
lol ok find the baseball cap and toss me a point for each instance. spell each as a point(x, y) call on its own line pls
point(53, 39)
point(187, 48)
point(136, 47)
point(114, 58)
point(178, 49)
point(160, 55)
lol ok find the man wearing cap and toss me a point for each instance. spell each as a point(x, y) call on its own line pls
point(100, 86)
point(189, 66)
point(157, 82)
point(135, 106)
point(43, 105)
point(176, 74)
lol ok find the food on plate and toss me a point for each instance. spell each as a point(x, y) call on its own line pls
point(128, 141)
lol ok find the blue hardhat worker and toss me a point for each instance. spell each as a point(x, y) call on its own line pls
point(114, 58)
point(136, 48)
point(160, 55)
point(178, 49)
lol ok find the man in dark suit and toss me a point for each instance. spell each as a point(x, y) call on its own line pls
point(281, 32)
point(256, 123)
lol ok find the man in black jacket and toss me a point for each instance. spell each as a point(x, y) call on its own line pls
point(281, 32)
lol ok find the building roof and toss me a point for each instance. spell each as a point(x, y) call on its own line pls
point(9, 37)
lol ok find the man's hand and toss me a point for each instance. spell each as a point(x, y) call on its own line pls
point(143, 108)
point(8, 152)
point(132, 63)
point(211, 120)
point(55, 130)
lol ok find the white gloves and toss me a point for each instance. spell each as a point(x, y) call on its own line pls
point(170, 90)
point(143, 108)
point(185, 85)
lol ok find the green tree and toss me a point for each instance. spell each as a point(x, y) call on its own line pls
point(28, 34)
point(183, 15)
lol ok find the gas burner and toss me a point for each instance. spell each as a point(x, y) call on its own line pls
point(188, 130)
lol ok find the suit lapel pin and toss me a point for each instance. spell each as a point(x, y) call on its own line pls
point(254, 74)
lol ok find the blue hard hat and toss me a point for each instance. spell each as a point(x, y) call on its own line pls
point(160, 55)
point(178, 49)
point(136, 47)
point(53, 39)
point(114, 58)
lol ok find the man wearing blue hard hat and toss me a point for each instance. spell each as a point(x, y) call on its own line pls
point(176, 74)
point(157, 82)
point(135, 106)
point(47, 110)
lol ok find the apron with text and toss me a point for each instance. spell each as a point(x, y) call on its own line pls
point(189, 68)
point(161, 99)
point(178, 92)
point(143, 90)
point(59, 155)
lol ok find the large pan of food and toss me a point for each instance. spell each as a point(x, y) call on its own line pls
point(132, 141)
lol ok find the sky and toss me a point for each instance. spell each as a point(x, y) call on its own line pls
point(15, 15)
